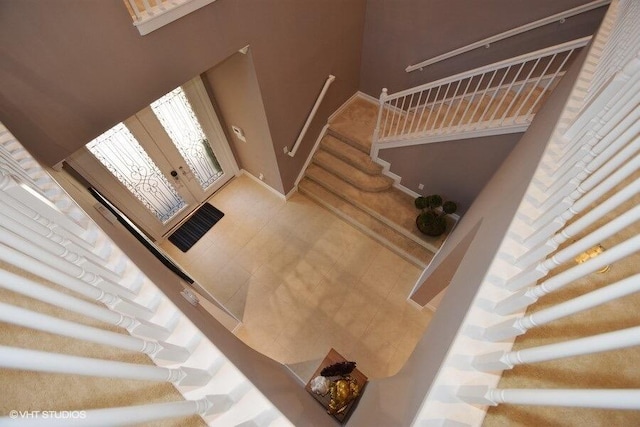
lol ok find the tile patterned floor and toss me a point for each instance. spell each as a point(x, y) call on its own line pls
point(303, 281)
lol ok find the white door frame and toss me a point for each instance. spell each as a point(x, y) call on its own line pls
point(99, 177)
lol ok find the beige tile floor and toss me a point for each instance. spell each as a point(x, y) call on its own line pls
point(303, 281)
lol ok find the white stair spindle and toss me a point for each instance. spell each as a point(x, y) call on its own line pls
point(527, 277)
point(579, 225)
point(615, 340)
point(31, 319)
point(45, 294)
point(66, 280)
point(596, 145)
point(572, 208)
point(41, 361)
point(594, 172)
point(512, 328)
point(528, 296)
point(592, 398)
point(56, 248)
point(35, 216)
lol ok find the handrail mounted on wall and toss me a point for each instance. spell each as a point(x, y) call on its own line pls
point(558, 17)
point(312, 114)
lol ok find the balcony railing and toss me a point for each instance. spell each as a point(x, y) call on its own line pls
point(581, 194)
point(494, 99)
point(45, 238)
point(149, 15)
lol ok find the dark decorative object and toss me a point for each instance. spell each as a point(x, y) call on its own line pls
point(432, 220)
point(337, 384)
point(338, 369)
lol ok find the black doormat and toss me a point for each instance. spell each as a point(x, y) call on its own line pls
point(195, 227)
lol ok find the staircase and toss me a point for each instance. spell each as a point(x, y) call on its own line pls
point(494, 99)
point(343, 178)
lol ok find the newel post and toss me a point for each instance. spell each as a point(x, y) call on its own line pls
point(376, 132)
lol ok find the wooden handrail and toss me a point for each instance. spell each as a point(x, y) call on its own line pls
point(312, 114)
point(512, 32)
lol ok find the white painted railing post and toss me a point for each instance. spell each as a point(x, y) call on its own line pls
point(615, 340)
point(41, 361)
point(528, 296)
point(46, 294)
point(376, 132)
point(606, 399)
point(31, 319)
point(511, 328)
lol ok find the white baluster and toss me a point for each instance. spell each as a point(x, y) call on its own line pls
point(66, 280)
point(431, 108)
point(57, 247)
point(528, 296)
point(30, 213)
point(529, 276)
point(579, 225)
point(42, 361)
point(512, 328)
point(592, 398)
point(568, 208)
point(615, 340)
point(31, 319)
point(594, 172)
point(43, 293)
point(608, 136)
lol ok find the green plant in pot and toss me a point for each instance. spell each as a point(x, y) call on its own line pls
point(431, 220)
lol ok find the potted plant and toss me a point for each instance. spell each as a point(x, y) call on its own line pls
point(431, 220)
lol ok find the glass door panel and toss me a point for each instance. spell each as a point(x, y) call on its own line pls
point(161, 163)
point(119, 151)
point(179, 122)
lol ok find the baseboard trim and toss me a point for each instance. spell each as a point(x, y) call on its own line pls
point(368, 97)
point(264, 184)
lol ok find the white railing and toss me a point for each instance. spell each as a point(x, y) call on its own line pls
point(497, 98)
point(149, 15)
point(558, 17)
point(312, 114)
point(46, 239)
point(593, 157)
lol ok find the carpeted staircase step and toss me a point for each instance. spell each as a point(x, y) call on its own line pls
point(350, 140)
point(350, 155)
point(370, 225)
point(392, 206)
point(355, 124)
point(351, 174)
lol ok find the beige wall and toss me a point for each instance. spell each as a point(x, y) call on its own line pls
point(399, 33)
point(72, 69)
point(457, 170)
point(234, 88)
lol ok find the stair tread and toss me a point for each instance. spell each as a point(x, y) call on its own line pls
point(356, 123)
point(351, 174)
point(391, 206)
point(375, 228)
point(350, 154)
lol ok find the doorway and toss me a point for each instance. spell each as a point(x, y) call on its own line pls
point(163, 162)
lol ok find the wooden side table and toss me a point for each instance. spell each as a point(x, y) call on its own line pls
point(331, 358)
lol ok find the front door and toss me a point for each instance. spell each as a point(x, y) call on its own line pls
point(163, 162)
